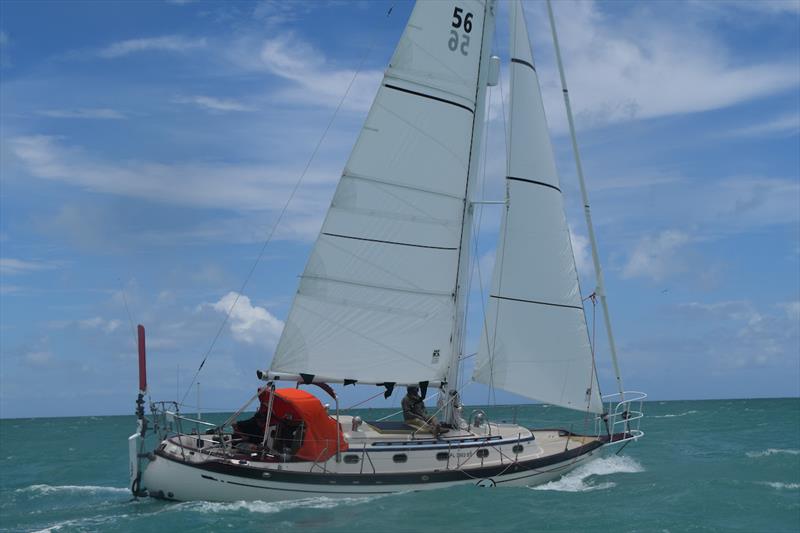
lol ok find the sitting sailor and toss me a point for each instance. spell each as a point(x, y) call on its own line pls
point(414, 413)
point(252, 430)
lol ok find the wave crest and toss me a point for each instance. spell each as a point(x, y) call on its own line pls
point(773, 451)
point(779, 485)
point(674, 415)
point(49, 489)
point(578, 480)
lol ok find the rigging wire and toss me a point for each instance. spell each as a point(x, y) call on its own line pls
point(476, 234)
point(133, 327)
point(492, 394)
point(128, 311)
point(281, 214)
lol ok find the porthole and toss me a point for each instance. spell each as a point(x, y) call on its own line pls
point(400, 458)
point(483, 452)
point(517, 448)
point(442, 456)
point(351, 459)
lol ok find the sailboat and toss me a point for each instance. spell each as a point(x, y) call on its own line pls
point(382, 302)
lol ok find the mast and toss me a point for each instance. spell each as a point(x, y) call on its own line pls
point(598, 270)
point(462, 276)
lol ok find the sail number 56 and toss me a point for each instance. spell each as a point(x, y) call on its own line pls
point(464, 22)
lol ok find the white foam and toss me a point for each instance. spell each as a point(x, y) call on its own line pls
point(48, 489)
point(772, 451)
point(673, 415)
point(578, 480)
point(321, 502)
point(79, 523)
point(779, 485)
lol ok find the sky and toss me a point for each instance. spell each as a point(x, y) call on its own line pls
point(148, 148)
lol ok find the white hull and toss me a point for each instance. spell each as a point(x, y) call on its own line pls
point(177, 481)
point(513, 456)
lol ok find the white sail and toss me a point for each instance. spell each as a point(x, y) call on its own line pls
point(535, 340)
point(376, 300)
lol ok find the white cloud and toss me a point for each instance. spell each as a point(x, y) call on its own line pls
point(167, 43)
point(313, 81)
point(108, 326)
point(657, 257)
point(4, 45)
point(249, 324)
point(213, 104)
point(9, 266)
point(639, 65)
point(90, 113)
point(786, 124)
point(752, 201)
point(38, 357)
point(744, 336)
point(581, 249)
point(485, 266)
point(278, 13)
point(766, 7)
point(792, 310)
point(219, 186)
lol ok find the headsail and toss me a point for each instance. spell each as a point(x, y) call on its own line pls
point(535, 341)
point(376, 299)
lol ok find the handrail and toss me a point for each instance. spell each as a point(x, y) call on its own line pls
point(628, 413)
point(193, 420)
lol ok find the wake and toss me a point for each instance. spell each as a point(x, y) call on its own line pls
point(50, 489)
point(321, 502)
point(578, 480)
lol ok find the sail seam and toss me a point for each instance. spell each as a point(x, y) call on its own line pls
point(536, 302)
point(364, 177)
point(543, 184)
point(380, 287)
point(523, 62)
point(438, 99)
point(390, 242)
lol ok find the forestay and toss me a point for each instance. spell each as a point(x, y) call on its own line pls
point(535, 341)
point(376, 300)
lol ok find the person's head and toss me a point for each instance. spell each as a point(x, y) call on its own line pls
point(412, 390)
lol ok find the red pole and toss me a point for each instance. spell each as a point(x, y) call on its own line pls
point(142, 361)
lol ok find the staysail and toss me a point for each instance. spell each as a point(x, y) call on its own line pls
point(535, 340)
point(376, 300)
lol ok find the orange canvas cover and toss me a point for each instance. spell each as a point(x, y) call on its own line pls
point(321, 431)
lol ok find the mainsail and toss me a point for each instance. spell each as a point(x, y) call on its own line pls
point(376, 300)
point(535, 340)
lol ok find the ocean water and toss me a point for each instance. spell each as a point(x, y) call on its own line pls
point(721, 465)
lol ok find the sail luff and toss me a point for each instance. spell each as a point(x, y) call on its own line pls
point(535, 341)
point(462, 277)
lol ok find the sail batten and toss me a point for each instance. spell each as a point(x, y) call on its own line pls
point(535, 340)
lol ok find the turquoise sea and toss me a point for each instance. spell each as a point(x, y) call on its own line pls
point(716, 465)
